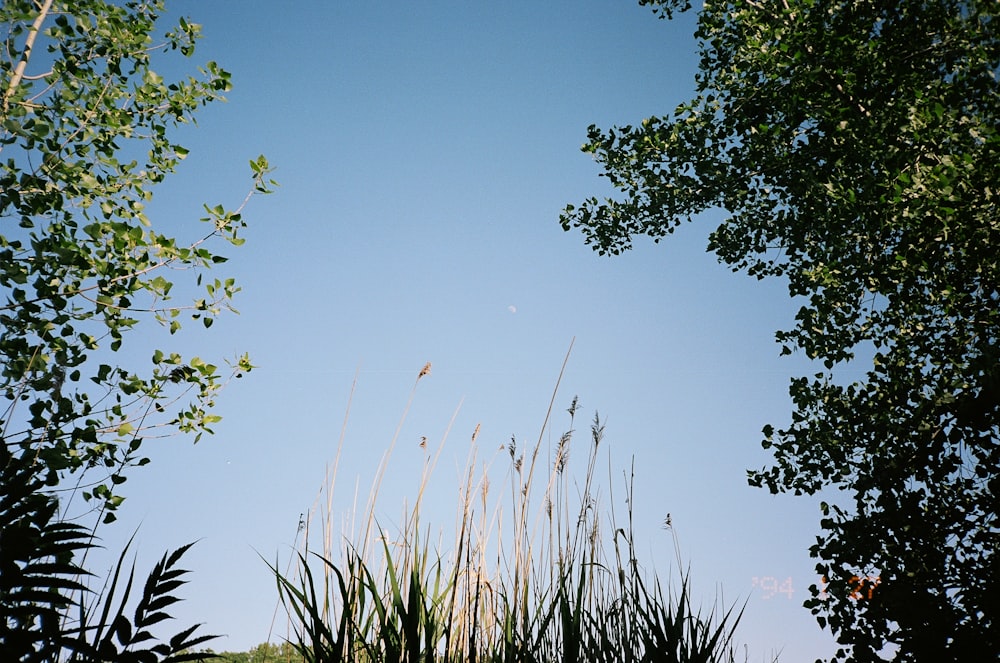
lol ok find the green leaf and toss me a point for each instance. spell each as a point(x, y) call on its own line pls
point(851, 150)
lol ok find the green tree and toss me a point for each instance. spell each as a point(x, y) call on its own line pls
point(266, 652)
point(854, 147)
point(85, 134)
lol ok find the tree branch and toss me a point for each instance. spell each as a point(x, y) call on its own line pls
point(26, 55)
point(130, 275)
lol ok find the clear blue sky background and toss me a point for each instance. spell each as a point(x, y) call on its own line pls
point(425, 151)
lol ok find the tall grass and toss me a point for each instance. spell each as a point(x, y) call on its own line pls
point(541, 569)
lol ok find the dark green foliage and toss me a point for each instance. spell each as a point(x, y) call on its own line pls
point(41, 588)
point(116, 637)
point(855, 149)
point(38, 572)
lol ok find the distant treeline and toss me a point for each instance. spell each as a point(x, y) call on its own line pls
point(266, 652)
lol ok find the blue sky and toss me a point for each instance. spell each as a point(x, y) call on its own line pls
point(424, 152)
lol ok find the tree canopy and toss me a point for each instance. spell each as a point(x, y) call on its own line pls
point(854, 148)
point(86, 132)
